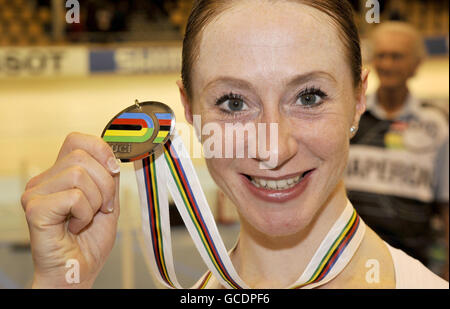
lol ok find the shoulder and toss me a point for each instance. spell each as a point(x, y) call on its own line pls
point(438, 109)
point(432, 117)
point(412, 274)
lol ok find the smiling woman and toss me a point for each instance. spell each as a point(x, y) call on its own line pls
point(296, 64)
point(280, 62)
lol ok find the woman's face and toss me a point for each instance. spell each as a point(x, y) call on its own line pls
point(281, 63)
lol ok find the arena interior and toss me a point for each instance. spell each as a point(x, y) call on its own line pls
point(58, 77)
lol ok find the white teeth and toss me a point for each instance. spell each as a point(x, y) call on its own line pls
point(281, 184)
point(276, 184)
point(272, 184)
point(256, 184)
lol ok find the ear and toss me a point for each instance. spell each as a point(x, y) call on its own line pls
point(185, 102)
point(361, 100)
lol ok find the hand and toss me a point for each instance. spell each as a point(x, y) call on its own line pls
point(72, 211)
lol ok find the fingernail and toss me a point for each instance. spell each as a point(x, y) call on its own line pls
point(110, 207)
point(113, 166)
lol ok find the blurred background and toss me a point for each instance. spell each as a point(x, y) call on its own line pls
point(57, 77)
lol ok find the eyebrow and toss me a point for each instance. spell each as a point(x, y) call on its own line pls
point(297, 79)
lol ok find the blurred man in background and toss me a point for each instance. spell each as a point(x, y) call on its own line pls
point(397, 175)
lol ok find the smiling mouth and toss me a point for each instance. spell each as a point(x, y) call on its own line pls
point(278, 184)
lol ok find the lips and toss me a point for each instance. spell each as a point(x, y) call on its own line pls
point(279, 189)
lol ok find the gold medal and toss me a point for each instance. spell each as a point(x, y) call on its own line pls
point(138, 130)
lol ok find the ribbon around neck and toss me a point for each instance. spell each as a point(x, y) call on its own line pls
point(170, 167)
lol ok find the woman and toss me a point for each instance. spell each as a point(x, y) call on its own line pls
point(294, 63)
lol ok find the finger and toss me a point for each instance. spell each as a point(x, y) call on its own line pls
point(74, 177)
point(49, 212)
point(116, 203)
point(102, 178)
point(93, 145)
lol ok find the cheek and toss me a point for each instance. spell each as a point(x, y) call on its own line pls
point(326, 138)
point(215, 166)
point(220, 170)
point(327, 143)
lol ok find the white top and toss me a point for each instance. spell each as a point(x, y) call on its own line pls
point(412, 274)
point(409, 273)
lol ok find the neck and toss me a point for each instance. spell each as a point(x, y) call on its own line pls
point(277, 262)
point(392, 100)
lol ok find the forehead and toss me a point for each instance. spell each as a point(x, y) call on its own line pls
point(391, 40)
point(269, 40)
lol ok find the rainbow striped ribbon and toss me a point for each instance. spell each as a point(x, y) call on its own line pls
point(324, 271)
point(171, 167)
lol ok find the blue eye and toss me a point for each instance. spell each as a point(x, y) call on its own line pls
point(232, 103)
point(310, 97)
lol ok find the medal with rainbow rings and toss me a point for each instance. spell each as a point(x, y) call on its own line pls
point(145, 135)
point(135, 132)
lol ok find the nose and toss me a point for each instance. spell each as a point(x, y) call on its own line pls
point(385, 61)
point(276, 142)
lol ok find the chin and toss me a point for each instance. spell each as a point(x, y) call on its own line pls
point(390, 83)
point(281, 223)
point(277, 218)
